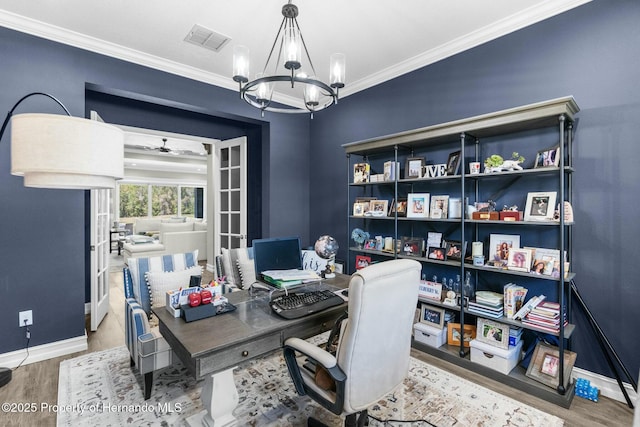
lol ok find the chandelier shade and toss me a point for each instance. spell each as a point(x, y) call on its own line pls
point(292, 56)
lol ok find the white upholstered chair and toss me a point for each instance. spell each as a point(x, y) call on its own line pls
point(372, 356)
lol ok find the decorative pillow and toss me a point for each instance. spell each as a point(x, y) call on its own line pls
point(246, 268)
point(175, 219)
point(168, 227)
point(160, 282)
point(136, 239)
point(230, 264)
point(139, 266)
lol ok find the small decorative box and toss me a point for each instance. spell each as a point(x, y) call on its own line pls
point(511, 215)
point(485, 215)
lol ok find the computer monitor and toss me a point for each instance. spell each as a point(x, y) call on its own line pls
point(281, 253)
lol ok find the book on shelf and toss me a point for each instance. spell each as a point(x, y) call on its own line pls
point(528, 306)
point(489, 298)
point(391, 168)
point(514, 296)
point(485, 313)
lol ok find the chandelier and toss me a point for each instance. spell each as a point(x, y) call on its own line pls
point(316, 94)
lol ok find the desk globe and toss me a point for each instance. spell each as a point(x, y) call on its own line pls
point(327, 247)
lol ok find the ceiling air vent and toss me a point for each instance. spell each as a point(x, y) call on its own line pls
point(207, 38)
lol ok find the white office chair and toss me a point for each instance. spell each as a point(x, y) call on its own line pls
point(372, 355)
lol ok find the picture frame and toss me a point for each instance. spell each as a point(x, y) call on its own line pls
point(360, 208)
point(545, 367)
point(439, 207)
point(412, 246)
point(338, 265)
point(379, 207)
point(413, 167)
point(370, 244)
point(548, 158)
point(453, 163)
point(361, 173)
point(455, 250)
point(437, 253)
point(454, 335)
point(362, 261)
point(400, 208)
point(492, 333)
point(519, 260)
point(432, 316)
point(499, 248)
point(540, 206)
point(434, 239)
point(418, 205)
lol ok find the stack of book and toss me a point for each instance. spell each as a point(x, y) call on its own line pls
point(513, 299)
point(545, 316)
point(488, 304)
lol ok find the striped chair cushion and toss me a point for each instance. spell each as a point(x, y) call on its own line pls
point(138, 267)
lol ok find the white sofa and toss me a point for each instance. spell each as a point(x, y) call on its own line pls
point(172, 238)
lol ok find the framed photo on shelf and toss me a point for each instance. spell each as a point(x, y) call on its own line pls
point(361, 173)
point(540, 206)
point(453, 163)
point(439, 207)
point(379, 207)
point(432, 316)
point(519, 260)
point(437, 253)
point(360, 208)
point(454, 335)
point(548, 158)
point(545, 365)
point(499, 247)
point(455, 250)
point(362, 261)
point(370, 244)
point(418, 205)
point(493, 333)
point(412, 246)
point(434, 239)
point(413, 167)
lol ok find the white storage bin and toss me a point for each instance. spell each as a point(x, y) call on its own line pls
point(499, 359)
point(430, 335)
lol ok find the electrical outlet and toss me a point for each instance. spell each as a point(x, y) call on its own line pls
point(26, 316)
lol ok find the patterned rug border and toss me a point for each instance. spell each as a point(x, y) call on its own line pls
point(100, 389)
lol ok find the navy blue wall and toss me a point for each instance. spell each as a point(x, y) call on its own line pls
point(43, 248)
point(591, 53)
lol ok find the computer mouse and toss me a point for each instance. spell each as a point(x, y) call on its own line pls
point(345, 292)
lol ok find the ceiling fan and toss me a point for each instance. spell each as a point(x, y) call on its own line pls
point(177, 148)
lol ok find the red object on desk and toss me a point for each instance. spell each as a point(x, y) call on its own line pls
point(205, 297)
point(195, 299)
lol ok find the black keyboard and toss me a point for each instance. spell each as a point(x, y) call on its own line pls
point(295, 305)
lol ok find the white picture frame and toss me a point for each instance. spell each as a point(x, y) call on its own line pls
point(418, 205)
point(439, 207)
point(493, 333)
point(499, 247)
point(519, 260)
point(540, 206)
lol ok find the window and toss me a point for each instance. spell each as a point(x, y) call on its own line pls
point(146, 200)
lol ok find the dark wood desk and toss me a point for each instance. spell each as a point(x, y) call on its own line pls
point(211, 348)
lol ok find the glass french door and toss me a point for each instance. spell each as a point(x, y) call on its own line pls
point(229, 177)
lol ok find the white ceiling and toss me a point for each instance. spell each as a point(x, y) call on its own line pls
point(382, 39)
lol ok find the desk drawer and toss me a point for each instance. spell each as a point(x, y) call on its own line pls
point(232, 356)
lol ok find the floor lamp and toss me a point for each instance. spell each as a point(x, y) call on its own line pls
point(61, 151)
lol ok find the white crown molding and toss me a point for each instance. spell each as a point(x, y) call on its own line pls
point(496, 30)
point(512, 23)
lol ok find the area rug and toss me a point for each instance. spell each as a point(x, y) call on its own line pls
point(100, 389)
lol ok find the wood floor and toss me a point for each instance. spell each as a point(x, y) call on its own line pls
point(38, 382)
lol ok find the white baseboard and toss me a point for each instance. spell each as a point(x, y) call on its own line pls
point(44, 351)
point(210, 268)
point(87, 308)
point(608, 386)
